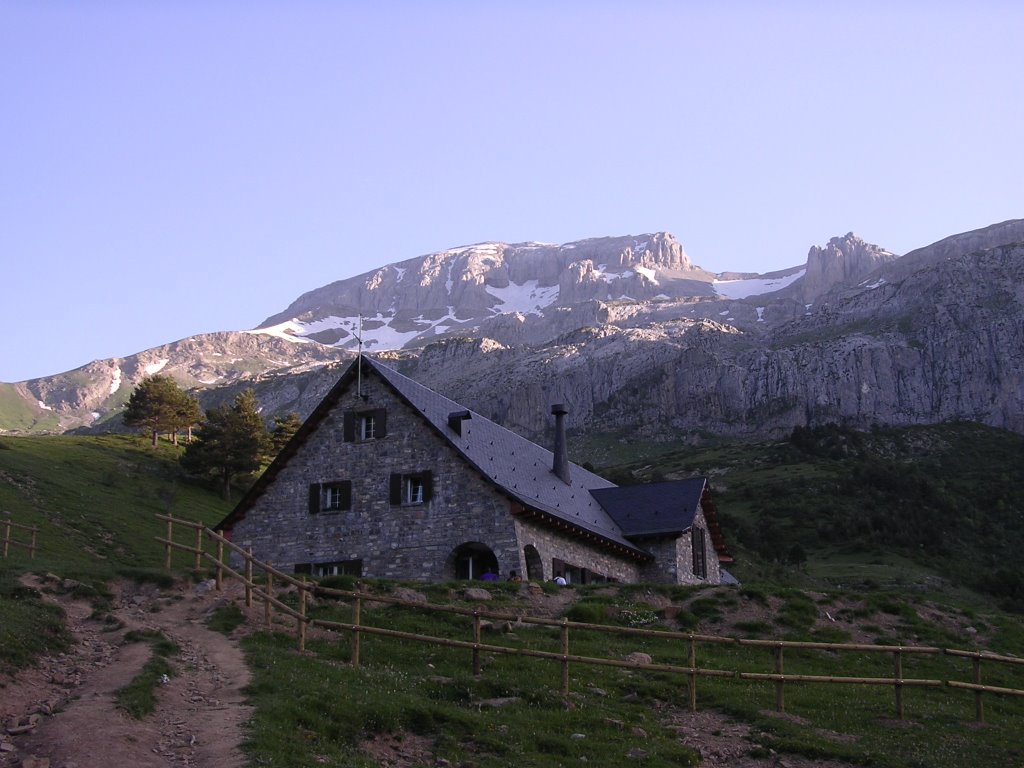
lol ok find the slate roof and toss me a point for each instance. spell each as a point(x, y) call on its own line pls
point(520, 467)
point(654, 508)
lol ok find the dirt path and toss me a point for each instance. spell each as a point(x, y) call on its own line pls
point(70, 697)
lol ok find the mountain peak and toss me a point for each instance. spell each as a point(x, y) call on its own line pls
point(843, 260)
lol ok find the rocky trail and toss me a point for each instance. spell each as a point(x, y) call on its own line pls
point(61, 713)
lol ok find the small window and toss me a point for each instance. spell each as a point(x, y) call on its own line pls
point(411, 488)
point(360, 426)
point(340, 568)
point(334, 497)
point(330, 497)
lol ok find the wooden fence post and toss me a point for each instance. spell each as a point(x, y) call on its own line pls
point(565, 656)
point(220, 562)
point(898, 685)
point(7, 536)
point(199, 548)
point(268, 609)
point(32, 546)
point(979, 706)
point(476, 643)
point(301, 621)
point(357, 609)
point(170, 537)
point(780, 685)
point(248, 577)
point(692, 660)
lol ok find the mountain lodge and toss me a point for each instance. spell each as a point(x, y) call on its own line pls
point(387, 478)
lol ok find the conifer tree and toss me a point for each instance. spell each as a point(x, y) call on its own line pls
point(232, 441)
point(158, 405)
point(285, 428)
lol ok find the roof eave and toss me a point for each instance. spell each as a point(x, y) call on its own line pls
point(529, 510)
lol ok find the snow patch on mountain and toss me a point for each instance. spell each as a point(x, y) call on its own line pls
point(290, 330)
point(648, 273)
point(116, 383)
point(153, 368)
point(741, 289)
point(530, 297)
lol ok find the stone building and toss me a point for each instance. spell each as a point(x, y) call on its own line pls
point(387, 478)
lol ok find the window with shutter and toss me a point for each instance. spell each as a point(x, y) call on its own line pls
point(411, 488)
point(361, 426)
point(335, 496)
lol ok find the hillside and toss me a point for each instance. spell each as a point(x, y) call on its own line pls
point(934, 507)
point(95, 499)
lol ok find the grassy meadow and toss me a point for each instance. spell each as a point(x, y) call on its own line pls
point(94, 501)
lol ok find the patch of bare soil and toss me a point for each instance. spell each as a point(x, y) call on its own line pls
point(398, 751)
point(725, 743)
point(62, 711)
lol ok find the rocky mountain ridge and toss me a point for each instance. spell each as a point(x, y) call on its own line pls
point(856, 335)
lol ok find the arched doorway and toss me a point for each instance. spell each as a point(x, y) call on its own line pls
point(471, 560)
point(534, 568)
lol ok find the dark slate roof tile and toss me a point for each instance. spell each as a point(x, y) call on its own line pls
point(654, 508)
point(570, 502)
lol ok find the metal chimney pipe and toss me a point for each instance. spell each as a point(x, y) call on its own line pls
point(560, 463)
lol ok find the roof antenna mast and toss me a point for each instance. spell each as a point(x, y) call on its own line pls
point(359, 357)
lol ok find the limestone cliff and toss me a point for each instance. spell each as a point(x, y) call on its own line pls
point(630, 334)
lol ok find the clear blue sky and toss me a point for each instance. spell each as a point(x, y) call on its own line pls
point(176, 168)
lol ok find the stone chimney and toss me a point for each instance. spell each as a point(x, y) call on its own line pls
point(560, 464)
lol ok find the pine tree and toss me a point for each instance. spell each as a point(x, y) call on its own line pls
point(158, 405)
point(188, 414)
point(285, 428)
point(232, 441)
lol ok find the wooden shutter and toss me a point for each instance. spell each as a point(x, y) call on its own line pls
point(348, 426)
point(396, 488)
point(428, 485)
point(346, 494)
point(700, 566)
point(381, 415)
point(314, 498)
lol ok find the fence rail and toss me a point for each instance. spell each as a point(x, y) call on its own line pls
point(9, 541)
point(691, 671)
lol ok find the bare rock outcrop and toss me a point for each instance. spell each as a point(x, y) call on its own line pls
point(844, 260)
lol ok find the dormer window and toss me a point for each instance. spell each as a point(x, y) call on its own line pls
point(363, 426)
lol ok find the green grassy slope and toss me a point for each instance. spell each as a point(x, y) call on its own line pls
point(19, 415)
point(312, 708)
point(907, 506)
point(94, 498)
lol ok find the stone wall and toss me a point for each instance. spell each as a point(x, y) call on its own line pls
point(407, 541)
point(398, 541)
point(673, 557)
point(551, 545)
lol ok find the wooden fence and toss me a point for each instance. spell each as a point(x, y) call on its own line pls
point(690, 672)
point(9, 541)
